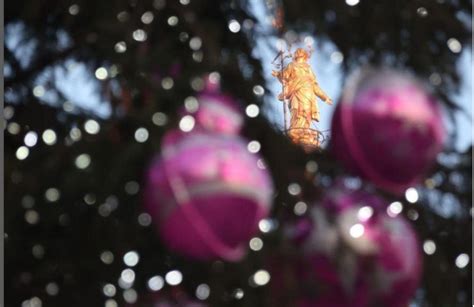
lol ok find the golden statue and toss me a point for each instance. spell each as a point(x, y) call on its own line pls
point(301, 88)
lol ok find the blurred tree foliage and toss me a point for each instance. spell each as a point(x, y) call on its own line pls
point(98, 209)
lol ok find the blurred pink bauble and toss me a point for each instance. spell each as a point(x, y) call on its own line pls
point(213, 110)
point(357, 254)
point(207, 193)
point(218, 113)
point(387, 128)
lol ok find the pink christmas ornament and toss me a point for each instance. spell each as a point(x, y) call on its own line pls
point(218, 113)
point(207, 194)
point(356, 254)
point(387, 128)
point(214, 111)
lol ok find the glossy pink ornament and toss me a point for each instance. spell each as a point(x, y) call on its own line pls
point(218, 113)
point(207, 193)
point(387, 128)
point(355, 254)
point(215, 111)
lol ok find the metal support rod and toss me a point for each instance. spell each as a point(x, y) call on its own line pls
point(282, 58)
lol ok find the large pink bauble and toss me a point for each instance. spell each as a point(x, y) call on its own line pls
point(356, 254)
point(207, 193)
point(387, 128)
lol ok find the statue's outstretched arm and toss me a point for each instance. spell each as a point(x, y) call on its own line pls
point(319, 92)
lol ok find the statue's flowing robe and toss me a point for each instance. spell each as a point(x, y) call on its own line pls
point(301, 89)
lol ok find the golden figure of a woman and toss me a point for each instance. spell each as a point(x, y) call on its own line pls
point(301, 88)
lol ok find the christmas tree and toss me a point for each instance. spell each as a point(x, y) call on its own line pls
point(103, 99)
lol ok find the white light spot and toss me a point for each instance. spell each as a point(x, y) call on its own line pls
point(184, 2)
point(258, 90)
point(31, 138)
point(294, 189)
point(128, 276)
point(38, 91)
point(38, 251)
point(132, 187)
point(107, 257)
point(462, 261)
point(254, 146)
point(454, 45)
point(159, 119)
point(76, 133)
point(101, 73)
point(52, 194)
point(120, 47)
point(131, 258)
point(337, 57)
point(261, 164)
point(183, 36)
point(252, 110)
point(144, 219)
point(111, 303)
point(435, 79)
point(147, 17)
point(394, 209)
point(429, 247)
point(74, 9)
point(32, 302)
point(256, 244)
point(214, 77)
point(352, 2)
point(83, 161)
point(280, 44)
point(173, 21)
point(139, 35)
point(412, 214)
point(261, 278)
point(8, 112)
point(422, 11)
point(234, 26)
point(238, 294)
point(308, 40)
point(32, 217)
point(186, 123)
point(365, 213)
point(411, 194)
point(52, 289)
point(109, 290)
point(155, 283)
point(197, 84)
point(22, 152)
point(174, 277)
point(91, 126)
point(13, 128)
point(141, 135)
point(195, 43)
point(167, 83)
point(49, 137)
point(300, 208)
point(265, 225)
point(191, 104)
point(130, 296)
point(357, 230)
point(203, 291)
point(197, 56)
